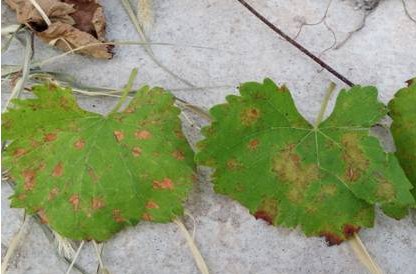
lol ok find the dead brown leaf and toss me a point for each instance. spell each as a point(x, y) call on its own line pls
point(75, 23)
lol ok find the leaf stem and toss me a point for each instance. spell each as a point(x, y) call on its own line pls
point(324, 105)
point(75, 258)
point(363, 255)
point(125, 91)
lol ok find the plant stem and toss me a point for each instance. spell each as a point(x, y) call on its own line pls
point(363, 255)
point(125, 91)
point(296, 44)
point(324, 105)
point(199, 260)
point(13, 245)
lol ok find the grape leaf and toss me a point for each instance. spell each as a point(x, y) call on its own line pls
point(403, 112)
point(88, 175)
point(284, 170)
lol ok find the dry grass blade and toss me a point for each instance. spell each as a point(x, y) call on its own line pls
point(41, 12)
point(25, 71)
point(75, 258)
point(14, 243)
point(127, 6)
point(145, 13)
point(363, 255)
point(199, 260)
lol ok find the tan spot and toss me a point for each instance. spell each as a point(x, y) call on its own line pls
point(79, 144)
point(142, 134)
point(22, 197)
point(97, 203)
point(178, 155)
point(53, 193)
point(355, 161)
point(58, 170)
point(147, 217)
point(233, 164)
point(92, 174)
point(50, 137)
point(30, 179)
point(290, 171)
point(385, 189)
point(74, 200)
point(35, 144)
point(117, 216)
point(119, 135)
point(330, 189)
point(252, 145)
point(166, 183)
point(43, 218)
point(129, 110)
point(250, 116)
point(19, 152)
point(151, 204)
point(136, 152)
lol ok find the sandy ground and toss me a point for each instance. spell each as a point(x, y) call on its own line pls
point(383, 53)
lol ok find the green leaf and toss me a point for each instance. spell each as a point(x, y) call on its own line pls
point(403, 112)
point(88, 175)
point(284, 170)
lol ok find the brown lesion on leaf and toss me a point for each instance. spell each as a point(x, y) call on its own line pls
point(42, 215)
point(79, 144)
point(152, 204)
point(350, 229)
point(142, 134)
point(249, 116)
point(329, 189)
point(119, 135)
point(147, 217)
point(19, 152)
point(74, 201)
point(35, 144)
point(234, 164)
point(58, 170)
point(331, 238)
point(355, 160)
point(117, 216)
point(267, 210)
point(253, 144)
point(92, 174)
point(384, 189)
point(53, 193)
point(178, 155)
point(136, 151)
point(50, 137)
point(289, 170)
point(29, 177)
point(97, 203)
point(21, 196)
point(166, 183)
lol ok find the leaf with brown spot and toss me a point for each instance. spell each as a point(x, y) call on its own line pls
point(85, 166)
point(318, 177)
point(74, 23)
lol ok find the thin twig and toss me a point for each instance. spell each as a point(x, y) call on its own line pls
point(296, 44)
